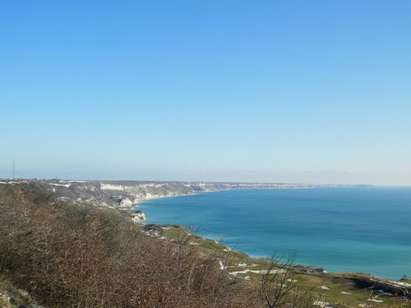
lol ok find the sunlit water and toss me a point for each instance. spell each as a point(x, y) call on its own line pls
point(340, 229)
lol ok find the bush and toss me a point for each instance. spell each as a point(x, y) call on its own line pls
point(69, 255)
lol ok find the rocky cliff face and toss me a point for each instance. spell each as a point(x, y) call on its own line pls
point(125, 194)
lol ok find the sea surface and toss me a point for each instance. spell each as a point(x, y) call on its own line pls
point(365, 229)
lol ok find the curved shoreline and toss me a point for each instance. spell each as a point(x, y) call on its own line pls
point(247, 266)
point(216, 238)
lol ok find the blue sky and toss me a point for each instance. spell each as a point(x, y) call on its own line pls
point(294, 91)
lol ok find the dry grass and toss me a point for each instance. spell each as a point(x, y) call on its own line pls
point(73, 256)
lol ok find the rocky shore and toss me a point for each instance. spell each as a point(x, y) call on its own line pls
point(126, 195)
point(355, 289)
point(352, 289)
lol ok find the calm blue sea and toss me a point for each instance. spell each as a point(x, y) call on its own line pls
point(341, 229)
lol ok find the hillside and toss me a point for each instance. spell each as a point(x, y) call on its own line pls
point(59, 250)
point(124, 194)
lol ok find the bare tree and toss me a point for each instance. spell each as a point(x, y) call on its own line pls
point(278, 286)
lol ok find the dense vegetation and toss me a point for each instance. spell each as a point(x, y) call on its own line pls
point(68, 255)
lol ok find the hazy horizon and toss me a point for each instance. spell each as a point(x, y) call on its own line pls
point(312, 92)
point(194, 179)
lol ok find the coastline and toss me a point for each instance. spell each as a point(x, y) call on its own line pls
point(340, 286)
point(349, 289)
point(139, 202)
point(144, 223)
point(317, 267)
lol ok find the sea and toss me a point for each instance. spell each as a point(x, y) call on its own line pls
point(360, 229)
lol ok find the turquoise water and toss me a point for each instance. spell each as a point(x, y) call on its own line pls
point(340, 229)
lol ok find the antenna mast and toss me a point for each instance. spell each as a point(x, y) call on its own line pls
point(14, 170)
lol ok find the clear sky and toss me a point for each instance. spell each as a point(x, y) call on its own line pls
point(291, 91)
